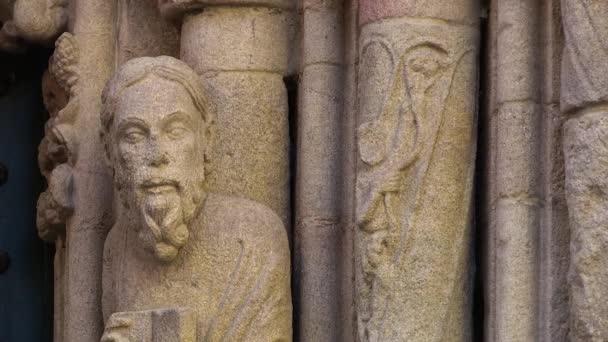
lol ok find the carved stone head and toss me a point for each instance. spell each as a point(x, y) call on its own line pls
point(155, 123)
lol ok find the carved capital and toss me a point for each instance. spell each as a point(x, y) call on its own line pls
point(37, 21)
point(176, 8)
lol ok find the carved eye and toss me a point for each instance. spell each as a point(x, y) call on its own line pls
point(133, 135)
point(177, 131)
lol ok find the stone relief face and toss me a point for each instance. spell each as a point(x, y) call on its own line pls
point(158, 153)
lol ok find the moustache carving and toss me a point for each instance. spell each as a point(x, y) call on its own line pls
point(160, 185)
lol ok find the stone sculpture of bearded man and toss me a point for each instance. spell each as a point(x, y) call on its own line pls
point(181, 263)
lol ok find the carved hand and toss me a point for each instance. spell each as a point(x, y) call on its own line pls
point(120, 328)
point(172, 324)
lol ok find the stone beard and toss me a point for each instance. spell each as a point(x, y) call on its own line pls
point(165, 208)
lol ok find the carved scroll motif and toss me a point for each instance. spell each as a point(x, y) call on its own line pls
point(395, 146)
point(56, 154)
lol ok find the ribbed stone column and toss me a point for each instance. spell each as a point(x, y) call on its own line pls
point(416, 136)
point(317, 230)
point(584, 99)
point(517, 202)
point(240, 48)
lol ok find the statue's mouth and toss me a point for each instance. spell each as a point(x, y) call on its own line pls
point(159, 185)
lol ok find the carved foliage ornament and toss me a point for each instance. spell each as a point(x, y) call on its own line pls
point(56, 156)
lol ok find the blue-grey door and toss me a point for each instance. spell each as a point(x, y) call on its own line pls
point(26, 285)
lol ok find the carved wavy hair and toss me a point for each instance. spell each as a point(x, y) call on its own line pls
point(136, 70)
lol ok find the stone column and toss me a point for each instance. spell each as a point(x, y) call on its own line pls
point(240, 49)
point(317, 230)
point(141, 31)
point(349, 160)
point(92, 26)
point(584, 99)
point(555, 230)
point(517, 200)
point(416, 136)
point(75, 210)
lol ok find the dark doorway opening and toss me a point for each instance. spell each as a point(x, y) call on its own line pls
point(26, 277)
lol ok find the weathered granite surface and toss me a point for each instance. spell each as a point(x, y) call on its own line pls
point(416, 140)
point(584, 93)
point(334, 150)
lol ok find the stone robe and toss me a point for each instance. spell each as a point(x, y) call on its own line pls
point(234, 273)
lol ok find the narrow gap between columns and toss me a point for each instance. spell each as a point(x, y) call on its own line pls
point(480, 221)
point(291, 84)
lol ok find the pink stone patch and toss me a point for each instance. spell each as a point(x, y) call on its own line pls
point(456, 11)
point(372, 10)
point(312, 3)
point(320, 4)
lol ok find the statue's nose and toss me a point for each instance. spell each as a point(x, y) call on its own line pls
point(159, 159)
point(158, 156)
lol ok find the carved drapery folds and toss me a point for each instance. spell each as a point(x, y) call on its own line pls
point(416, 138)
